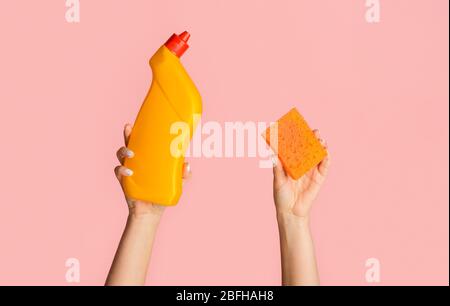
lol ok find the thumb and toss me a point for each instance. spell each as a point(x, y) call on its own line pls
point(279, 175)
point(187, 172)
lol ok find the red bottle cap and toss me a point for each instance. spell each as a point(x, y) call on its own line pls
point(178, 43)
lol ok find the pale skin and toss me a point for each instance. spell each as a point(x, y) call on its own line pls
point(293, 202)
point(130, 264)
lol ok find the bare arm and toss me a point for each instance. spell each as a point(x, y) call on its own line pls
point(293, 201)
point(130, 264)
point(133, 254)
point(298, 260)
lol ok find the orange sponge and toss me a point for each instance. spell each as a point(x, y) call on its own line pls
point(299, 150)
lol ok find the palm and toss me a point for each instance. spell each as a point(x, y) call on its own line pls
point(296, 196)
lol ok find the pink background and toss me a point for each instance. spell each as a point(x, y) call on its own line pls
point(378, 93)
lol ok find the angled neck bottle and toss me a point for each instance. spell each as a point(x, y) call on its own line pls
point(172, 98)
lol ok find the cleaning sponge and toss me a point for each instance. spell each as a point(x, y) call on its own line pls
point(299, 150)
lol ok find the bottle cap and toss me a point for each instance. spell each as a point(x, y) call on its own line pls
point(178, 43)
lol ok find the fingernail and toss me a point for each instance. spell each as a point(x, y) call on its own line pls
point(128, 172)
point(188, 168)
point(274, 160)
point(129, 153)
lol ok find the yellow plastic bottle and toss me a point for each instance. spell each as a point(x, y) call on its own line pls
point(172, 98)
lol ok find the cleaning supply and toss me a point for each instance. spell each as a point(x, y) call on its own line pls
point(299, 150)
point(172, 98)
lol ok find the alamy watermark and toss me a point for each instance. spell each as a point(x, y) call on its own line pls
point(229, 140)
point(373, 11)
point(373, 272)
point(73, 270)
point(73, 11)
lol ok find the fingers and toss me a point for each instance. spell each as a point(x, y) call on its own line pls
point(122, 171)
point(123, 153)
point(323, 142)
point(187, 172)
point(126, 133)
point(279, 174)
point(325, 164)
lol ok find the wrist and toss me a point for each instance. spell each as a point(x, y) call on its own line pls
point(291, 221)
point(145, 211)
point(147, 218)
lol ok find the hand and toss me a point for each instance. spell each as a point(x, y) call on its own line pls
point(295, 197)
point(136, 207)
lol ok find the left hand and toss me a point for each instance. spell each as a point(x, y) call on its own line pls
point(137, 207)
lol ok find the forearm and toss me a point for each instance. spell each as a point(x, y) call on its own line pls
point(130, 264)
point(298, 260)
